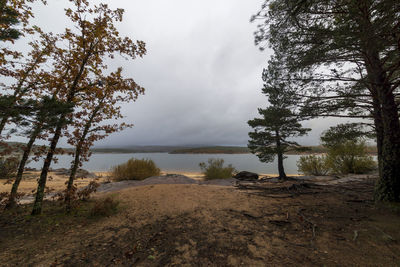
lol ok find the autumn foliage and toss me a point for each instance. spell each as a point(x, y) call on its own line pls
point(63, 87)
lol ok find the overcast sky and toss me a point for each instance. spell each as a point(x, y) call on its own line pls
point(202, 72)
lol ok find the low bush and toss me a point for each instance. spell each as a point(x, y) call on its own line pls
point(105, 206)
point(135, 169)
point(215, 169)
point(364, 165)
point(347, 149)
point(350, 157)
point(313, 165)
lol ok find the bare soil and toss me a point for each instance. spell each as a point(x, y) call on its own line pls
point(322, 222)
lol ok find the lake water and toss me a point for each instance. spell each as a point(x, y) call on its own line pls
point(177, 162)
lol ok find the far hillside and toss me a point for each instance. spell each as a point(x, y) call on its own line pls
point(17, 147)
point(245, 150)
point(212, 150)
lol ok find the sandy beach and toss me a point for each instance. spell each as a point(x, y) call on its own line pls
point(56, 182)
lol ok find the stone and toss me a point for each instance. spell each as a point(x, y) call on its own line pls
point(245, 175)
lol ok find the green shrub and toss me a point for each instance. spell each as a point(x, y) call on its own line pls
point(347, 151)
point(313, 165)
point(135, 169)
point(215, 169)
point(8, 167)
point(105, 206)
point(349, 157)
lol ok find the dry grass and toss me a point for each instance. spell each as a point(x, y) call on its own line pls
point(135, 169)
point(105, 206)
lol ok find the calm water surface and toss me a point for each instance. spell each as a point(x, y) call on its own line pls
point(177, 162)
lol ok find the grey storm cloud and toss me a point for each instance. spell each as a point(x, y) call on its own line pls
point(202, 72)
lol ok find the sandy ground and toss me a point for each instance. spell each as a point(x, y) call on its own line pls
point(56, 182)
point(323, 221)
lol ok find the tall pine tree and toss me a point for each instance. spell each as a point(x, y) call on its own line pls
point(278, 123)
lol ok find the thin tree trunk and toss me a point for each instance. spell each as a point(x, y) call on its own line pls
point(78, 151)
point(281, 170)
point(72, 175)
point(37, 206)
point(11, 201)
point(282, 174)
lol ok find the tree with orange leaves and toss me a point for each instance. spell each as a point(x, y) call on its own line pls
point(90, 123)
point(14, 13)
point(78, 68)
point(28, 79)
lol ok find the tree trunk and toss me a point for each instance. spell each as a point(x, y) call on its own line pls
point(72, 175)
point(387, 125)
point(388, 186)
point(377, 114)
point(78, 151)
point(11, 201)
point(282, 174)
point(3, 124)
point(37, 206)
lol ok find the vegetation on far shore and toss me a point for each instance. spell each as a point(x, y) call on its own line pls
point(189, 150)
point(211, 150)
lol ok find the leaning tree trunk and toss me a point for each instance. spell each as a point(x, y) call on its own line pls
point(37, 206)
point(14, 190)
point(72, 175)
point(78, 152)
point(3, 124)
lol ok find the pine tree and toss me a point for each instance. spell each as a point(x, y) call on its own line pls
point(278, 123)
point(344, 56)
point(43, 117)
point(8, 19)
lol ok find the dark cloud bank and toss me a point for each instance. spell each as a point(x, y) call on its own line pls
point(202, 73)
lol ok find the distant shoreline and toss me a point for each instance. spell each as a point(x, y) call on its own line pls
point(228, 150)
